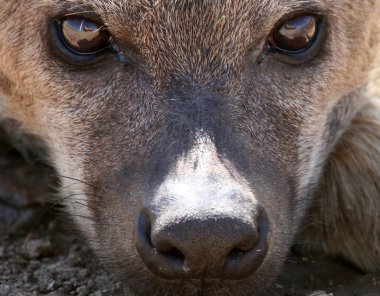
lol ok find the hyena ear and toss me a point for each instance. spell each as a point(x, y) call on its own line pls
point(345, 220)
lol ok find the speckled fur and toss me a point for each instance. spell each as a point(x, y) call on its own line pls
point(197, 65)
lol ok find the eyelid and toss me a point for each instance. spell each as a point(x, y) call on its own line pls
point(294, 14)
point(82, 12)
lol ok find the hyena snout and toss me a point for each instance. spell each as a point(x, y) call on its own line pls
point(210, 238)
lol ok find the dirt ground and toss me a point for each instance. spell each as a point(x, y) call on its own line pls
point(51, 261)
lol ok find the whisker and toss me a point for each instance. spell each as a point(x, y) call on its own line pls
point(78, 180)
point(87, 206)
point(45, 210)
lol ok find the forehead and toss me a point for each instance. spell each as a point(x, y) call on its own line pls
point(258, 10)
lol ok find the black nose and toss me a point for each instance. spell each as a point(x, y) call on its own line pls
point(203, 246)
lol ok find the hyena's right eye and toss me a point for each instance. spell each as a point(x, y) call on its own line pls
point(299, 38)
point(296, 34)
point(83, 36)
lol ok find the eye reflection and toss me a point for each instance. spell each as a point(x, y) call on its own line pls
point(296, 34)
point(83, 36)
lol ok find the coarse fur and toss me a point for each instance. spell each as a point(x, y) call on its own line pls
point(345, 216)
point(200, 98)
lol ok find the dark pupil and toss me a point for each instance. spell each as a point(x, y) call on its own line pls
point(84, 36)
point(296, 34)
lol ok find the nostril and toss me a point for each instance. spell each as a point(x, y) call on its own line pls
point(237, 252)
point(247, 258)
point(246, 245)
point(163, 258)
point(174, 254)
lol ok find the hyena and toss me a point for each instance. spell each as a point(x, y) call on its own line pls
point(193, 138)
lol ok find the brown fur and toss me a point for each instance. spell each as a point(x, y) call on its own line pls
point(345, 218)
point(197, 67)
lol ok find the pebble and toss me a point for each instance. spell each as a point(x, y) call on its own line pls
point(2, 251)
point(37, 248)
point(57, 293)
point(320, 293)
point(82, 291)
point(51, 286)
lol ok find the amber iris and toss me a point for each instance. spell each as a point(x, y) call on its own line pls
point(83, 36)
point(296, 34)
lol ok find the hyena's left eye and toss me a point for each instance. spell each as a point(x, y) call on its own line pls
point(83, 36)
point(295, 35)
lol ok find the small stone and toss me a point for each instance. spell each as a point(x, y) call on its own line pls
point(83, 273)
point(37, 248)
point(320, 293)
point(90, 284)
point(29, 278)
point(51, 286)
point(34, 264)
point(81, 291)
point(68, 287)
point(57, 293)
point(118, 286)
point(278, 286)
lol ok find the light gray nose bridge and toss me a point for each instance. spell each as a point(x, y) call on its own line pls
point(202, 159)
point(200, 182)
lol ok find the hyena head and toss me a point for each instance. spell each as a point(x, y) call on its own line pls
point(188, 135)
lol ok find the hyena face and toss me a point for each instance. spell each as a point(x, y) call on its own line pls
point(188, 134)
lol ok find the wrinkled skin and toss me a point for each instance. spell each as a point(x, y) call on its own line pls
point(198, 99)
